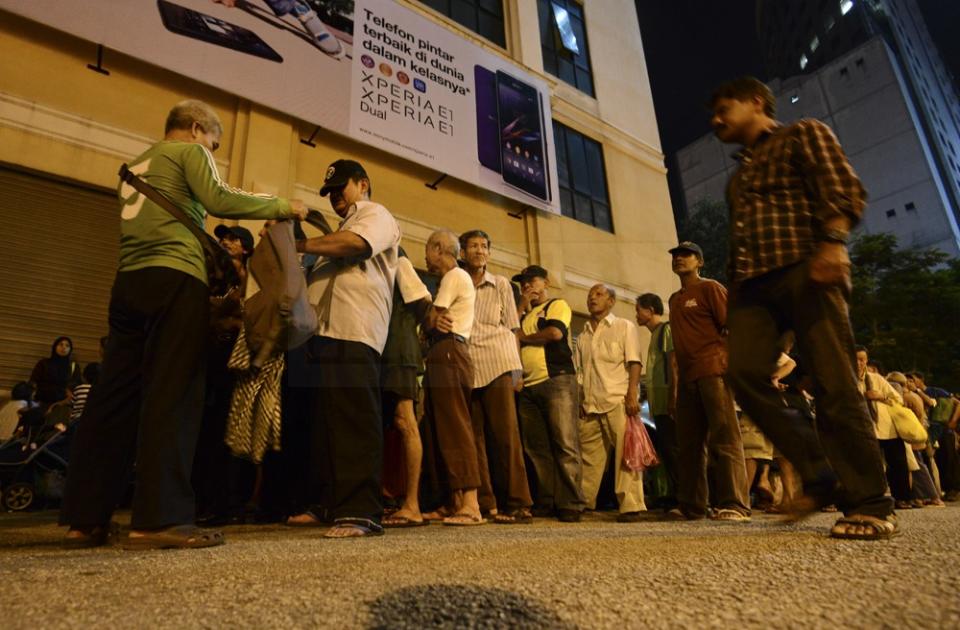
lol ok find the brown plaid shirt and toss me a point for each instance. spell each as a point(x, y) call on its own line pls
point(789, 183)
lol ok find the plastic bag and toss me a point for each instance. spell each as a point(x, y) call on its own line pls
point(638, 451)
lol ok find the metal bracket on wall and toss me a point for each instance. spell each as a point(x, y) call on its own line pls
point(433, 185)
point(521, 214)
point(309, 141)
point(99, 67)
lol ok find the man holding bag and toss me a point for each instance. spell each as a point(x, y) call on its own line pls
point(607, 358)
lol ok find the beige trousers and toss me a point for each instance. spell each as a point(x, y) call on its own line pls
point(599, 434)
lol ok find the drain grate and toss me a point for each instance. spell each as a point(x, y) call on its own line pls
point(460, 606)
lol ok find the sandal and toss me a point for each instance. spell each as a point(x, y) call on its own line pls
point(880, 528)
point(175, 537)
point(402, 521)
point(437, 515)
point(88, 537)
point(731, 516)
point(463, 519)
point(304, 519)
point(514, 517)
point(353, 528)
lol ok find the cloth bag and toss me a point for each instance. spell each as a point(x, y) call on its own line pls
point(908, 427)
point(638, 451)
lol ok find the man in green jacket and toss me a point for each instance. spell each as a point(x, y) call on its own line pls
point(148, 404)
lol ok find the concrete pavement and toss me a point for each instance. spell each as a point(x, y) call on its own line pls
point(595, 574)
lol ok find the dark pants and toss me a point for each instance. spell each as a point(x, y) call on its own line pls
point(493, 410)
point(447, 386)
point(668, 449)
point(761, 310)
point(551, 439)
point(707, 425)
point(898, 474)
point(147, 405)
point(948, 461)
point(347, 432)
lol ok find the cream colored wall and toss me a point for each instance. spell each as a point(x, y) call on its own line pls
point(57, 116)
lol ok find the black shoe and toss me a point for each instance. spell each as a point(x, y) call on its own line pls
point(541, 512)
point(219, 520)
point(629, 517)
point(568, 516)
point(952, 496)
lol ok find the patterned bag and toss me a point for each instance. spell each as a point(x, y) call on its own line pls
point(638, 451)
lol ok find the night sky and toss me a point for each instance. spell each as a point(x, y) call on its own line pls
point(693, 45)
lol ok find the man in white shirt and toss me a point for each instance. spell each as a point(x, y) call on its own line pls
point(449, 378)
point(607, 358)
point(352, 286)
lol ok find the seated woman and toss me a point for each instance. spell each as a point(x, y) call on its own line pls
point(56, 376)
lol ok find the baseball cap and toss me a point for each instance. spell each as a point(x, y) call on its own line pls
point(688, 246)
point(240, 233)
point(532, 271)
point(339, 173)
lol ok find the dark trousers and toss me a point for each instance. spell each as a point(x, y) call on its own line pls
point(493, 410)
point(669, 451)
point(898, 474)
point(707, 425)
point(147, 405)
point(948, 461)
point(347, 431)
point(551, 439)
point(761, 310)
point(447, 386)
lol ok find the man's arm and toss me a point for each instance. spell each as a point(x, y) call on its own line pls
point(540, 338)
point(336, 245)
point(632, 401)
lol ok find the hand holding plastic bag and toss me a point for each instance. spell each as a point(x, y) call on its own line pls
point(638, 451)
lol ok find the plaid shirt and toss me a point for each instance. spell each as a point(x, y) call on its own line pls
point(789, 183)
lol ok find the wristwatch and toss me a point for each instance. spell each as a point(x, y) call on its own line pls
point(833, 235)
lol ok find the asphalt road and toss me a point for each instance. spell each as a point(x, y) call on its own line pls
point(595, 574)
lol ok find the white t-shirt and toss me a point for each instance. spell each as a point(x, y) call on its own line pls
point(458, 295)
point(411, 286)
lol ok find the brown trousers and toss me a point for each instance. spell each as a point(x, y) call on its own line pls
point(447, 386)
point(494, 412)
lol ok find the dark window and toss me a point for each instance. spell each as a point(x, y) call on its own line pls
point(582, 178)
point(559, 58)
point(891, 213)
point(483, 17)
point(911, 207)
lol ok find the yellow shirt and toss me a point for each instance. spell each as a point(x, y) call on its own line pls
point(541, 362)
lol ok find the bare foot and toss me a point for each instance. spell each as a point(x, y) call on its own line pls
point(306, 519)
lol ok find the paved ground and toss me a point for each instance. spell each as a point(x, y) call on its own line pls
point(596, 574)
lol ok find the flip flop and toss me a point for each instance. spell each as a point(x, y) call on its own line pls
point(464, 520)
point(883, 528)
point(175, 537)
point(313, 522)
point(96, 536)
point(399, 522)
point(364, 526)
point(514, 517)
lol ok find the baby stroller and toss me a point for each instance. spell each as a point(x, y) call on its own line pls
point(33, 467)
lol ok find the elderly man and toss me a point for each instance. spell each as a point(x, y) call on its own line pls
point(607, 358)
point(352, 285)
point(548, 402)
point(497, 369)
point(150, 397)
point(449, 377)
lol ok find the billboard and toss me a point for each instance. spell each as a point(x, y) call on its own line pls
point(372, 70)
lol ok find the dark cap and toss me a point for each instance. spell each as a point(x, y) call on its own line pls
point(339, 173)
point(688, 246)
point(240, 233)
point(532, 271)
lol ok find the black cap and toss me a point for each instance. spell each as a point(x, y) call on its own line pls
point(688, 246)
point(339, 173)
point(532, 271)
point(240, 233)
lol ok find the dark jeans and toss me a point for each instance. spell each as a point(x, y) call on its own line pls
point(551, 439)
point(898, 474)
point(147, 405)
point(948, 461)
point(844, 443)
point(347, 432)
point(707, 424)
point(669, 451)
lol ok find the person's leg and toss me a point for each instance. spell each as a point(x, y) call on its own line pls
point(536, 444)
point(478, 422)
point(500, 416)
point(692, 451)
point(406, 422)
point(628, 484)
point(561, 404)
point(898, 477)
point(751, 466)
point(666, 445)
point(725, 445)
point(948, 462)
point(593, 450)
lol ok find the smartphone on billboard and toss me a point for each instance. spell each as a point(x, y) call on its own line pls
point(519, 113)
point(206, 28)
point(488, 127)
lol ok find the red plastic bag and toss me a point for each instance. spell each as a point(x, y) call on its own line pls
point(638, 451)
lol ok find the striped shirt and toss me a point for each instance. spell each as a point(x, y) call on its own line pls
point(788, 184)
point(80, 393)
point(493, 345)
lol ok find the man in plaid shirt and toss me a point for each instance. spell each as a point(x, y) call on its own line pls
point(793, 200)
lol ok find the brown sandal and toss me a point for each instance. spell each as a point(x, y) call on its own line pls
point(88, 537)
point(175, 537)
point(880, 528)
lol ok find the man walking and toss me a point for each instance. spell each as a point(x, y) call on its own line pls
point(607, 358)
point(548, 402)
point(149, 400)
point(793, 200)
point(705, 412)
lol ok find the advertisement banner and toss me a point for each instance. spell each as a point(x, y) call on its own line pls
point(372, 70)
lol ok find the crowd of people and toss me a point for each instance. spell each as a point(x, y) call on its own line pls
point(476, 402)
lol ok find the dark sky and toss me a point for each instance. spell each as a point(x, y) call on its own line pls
point(692, 45)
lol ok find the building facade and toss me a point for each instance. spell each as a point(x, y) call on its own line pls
point(65, 127)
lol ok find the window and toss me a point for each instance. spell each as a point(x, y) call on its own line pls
point(563, 41)
point(582, 178)
point(845, 6)
point(814, 44)
point(803, 61)
point(910, 207)
point(483, 17)
point(891, 213)
point(794, 99)
point(829, 23)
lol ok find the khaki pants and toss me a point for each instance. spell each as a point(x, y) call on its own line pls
point(599, 433)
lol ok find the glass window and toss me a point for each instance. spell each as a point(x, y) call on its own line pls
point(582, 178)
point(563, 42)
point(483, 17)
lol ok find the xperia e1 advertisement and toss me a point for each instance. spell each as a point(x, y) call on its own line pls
point(373, 70)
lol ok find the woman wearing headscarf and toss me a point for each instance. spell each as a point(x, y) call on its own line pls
point(57, 375)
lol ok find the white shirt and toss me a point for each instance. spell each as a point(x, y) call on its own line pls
point(493, 345)
point(411, 287)
point(602, 359)
point(457, 295)
point(358, 307)
point(886, 430)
